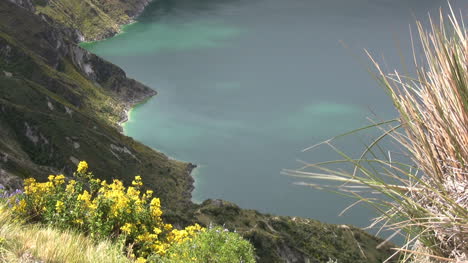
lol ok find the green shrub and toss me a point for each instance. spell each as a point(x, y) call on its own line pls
point(210, 246)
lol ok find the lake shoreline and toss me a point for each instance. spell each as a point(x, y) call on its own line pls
point(130, 105)
point(190, 166)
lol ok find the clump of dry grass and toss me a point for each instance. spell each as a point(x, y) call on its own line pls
point(34, 243)
point(426, 197)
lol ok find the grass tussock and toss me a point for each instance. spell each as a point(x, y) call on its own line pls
point(426, 196)
point(34, 243)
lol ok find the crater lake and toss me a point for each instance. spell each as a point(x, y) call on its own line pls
point(245, 85)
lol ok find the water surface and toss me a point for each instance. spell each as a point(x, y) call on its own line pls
point(244, 85)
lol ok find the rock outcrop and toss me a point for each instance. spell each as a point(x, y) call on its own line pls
point(27, 4)
point(103, 18)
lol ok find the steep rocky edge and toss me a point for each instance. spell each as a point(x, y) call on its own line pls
point(60, 104)
point(93, 19)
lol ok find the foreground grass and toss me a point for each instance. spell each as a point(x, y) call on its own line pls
point(426, 196)
point(35, 243)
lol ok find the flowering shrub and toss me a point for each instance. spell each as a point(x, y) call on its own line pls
point(212, 245)
point(102, 210)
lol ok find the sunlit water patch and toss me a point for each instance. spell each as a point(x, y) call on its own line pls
point(156, 37)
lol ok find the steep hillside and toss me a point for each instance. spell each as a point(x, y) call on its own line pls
point(94, 19)
point(293, 239)
point(60, 104)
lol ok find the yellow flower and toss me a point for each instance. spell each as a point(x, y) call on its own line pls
point(71, 186)
point(29, 186)
point(29, 181)
point(59, 179)
point(82, 167)
point(179, 236)
point(127, 228)
point(59, 206)
point(157, 231)
point(85, 197)
point(193, 229)
point(141, 260)
point(97, 181)
point(94, 204)
point(155, 207)
point(133, 193)
point(137, 182)
point(20, 207)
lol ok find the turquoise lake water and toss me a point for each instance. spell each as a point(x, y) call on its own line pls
point(245, 85)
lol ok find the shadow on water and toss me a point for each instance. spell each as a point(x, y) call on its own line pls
point(164, 8)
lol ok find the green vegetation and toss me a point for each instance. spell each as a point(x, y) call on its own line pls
point(213, 245)
point(95, 19)
point(423, 196)
point(127, 216)
point(277, 238)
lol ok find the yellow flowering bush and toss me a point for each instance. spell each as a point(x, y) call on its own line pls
point(102, 209)
point(82, 167)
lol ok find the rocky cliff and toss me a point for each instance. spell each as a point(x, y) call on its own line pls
point(60, 104)
point(26, 4)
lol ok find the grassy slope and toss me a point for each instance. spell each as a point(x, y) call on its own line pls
point(49, 98)
point(34, 243)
